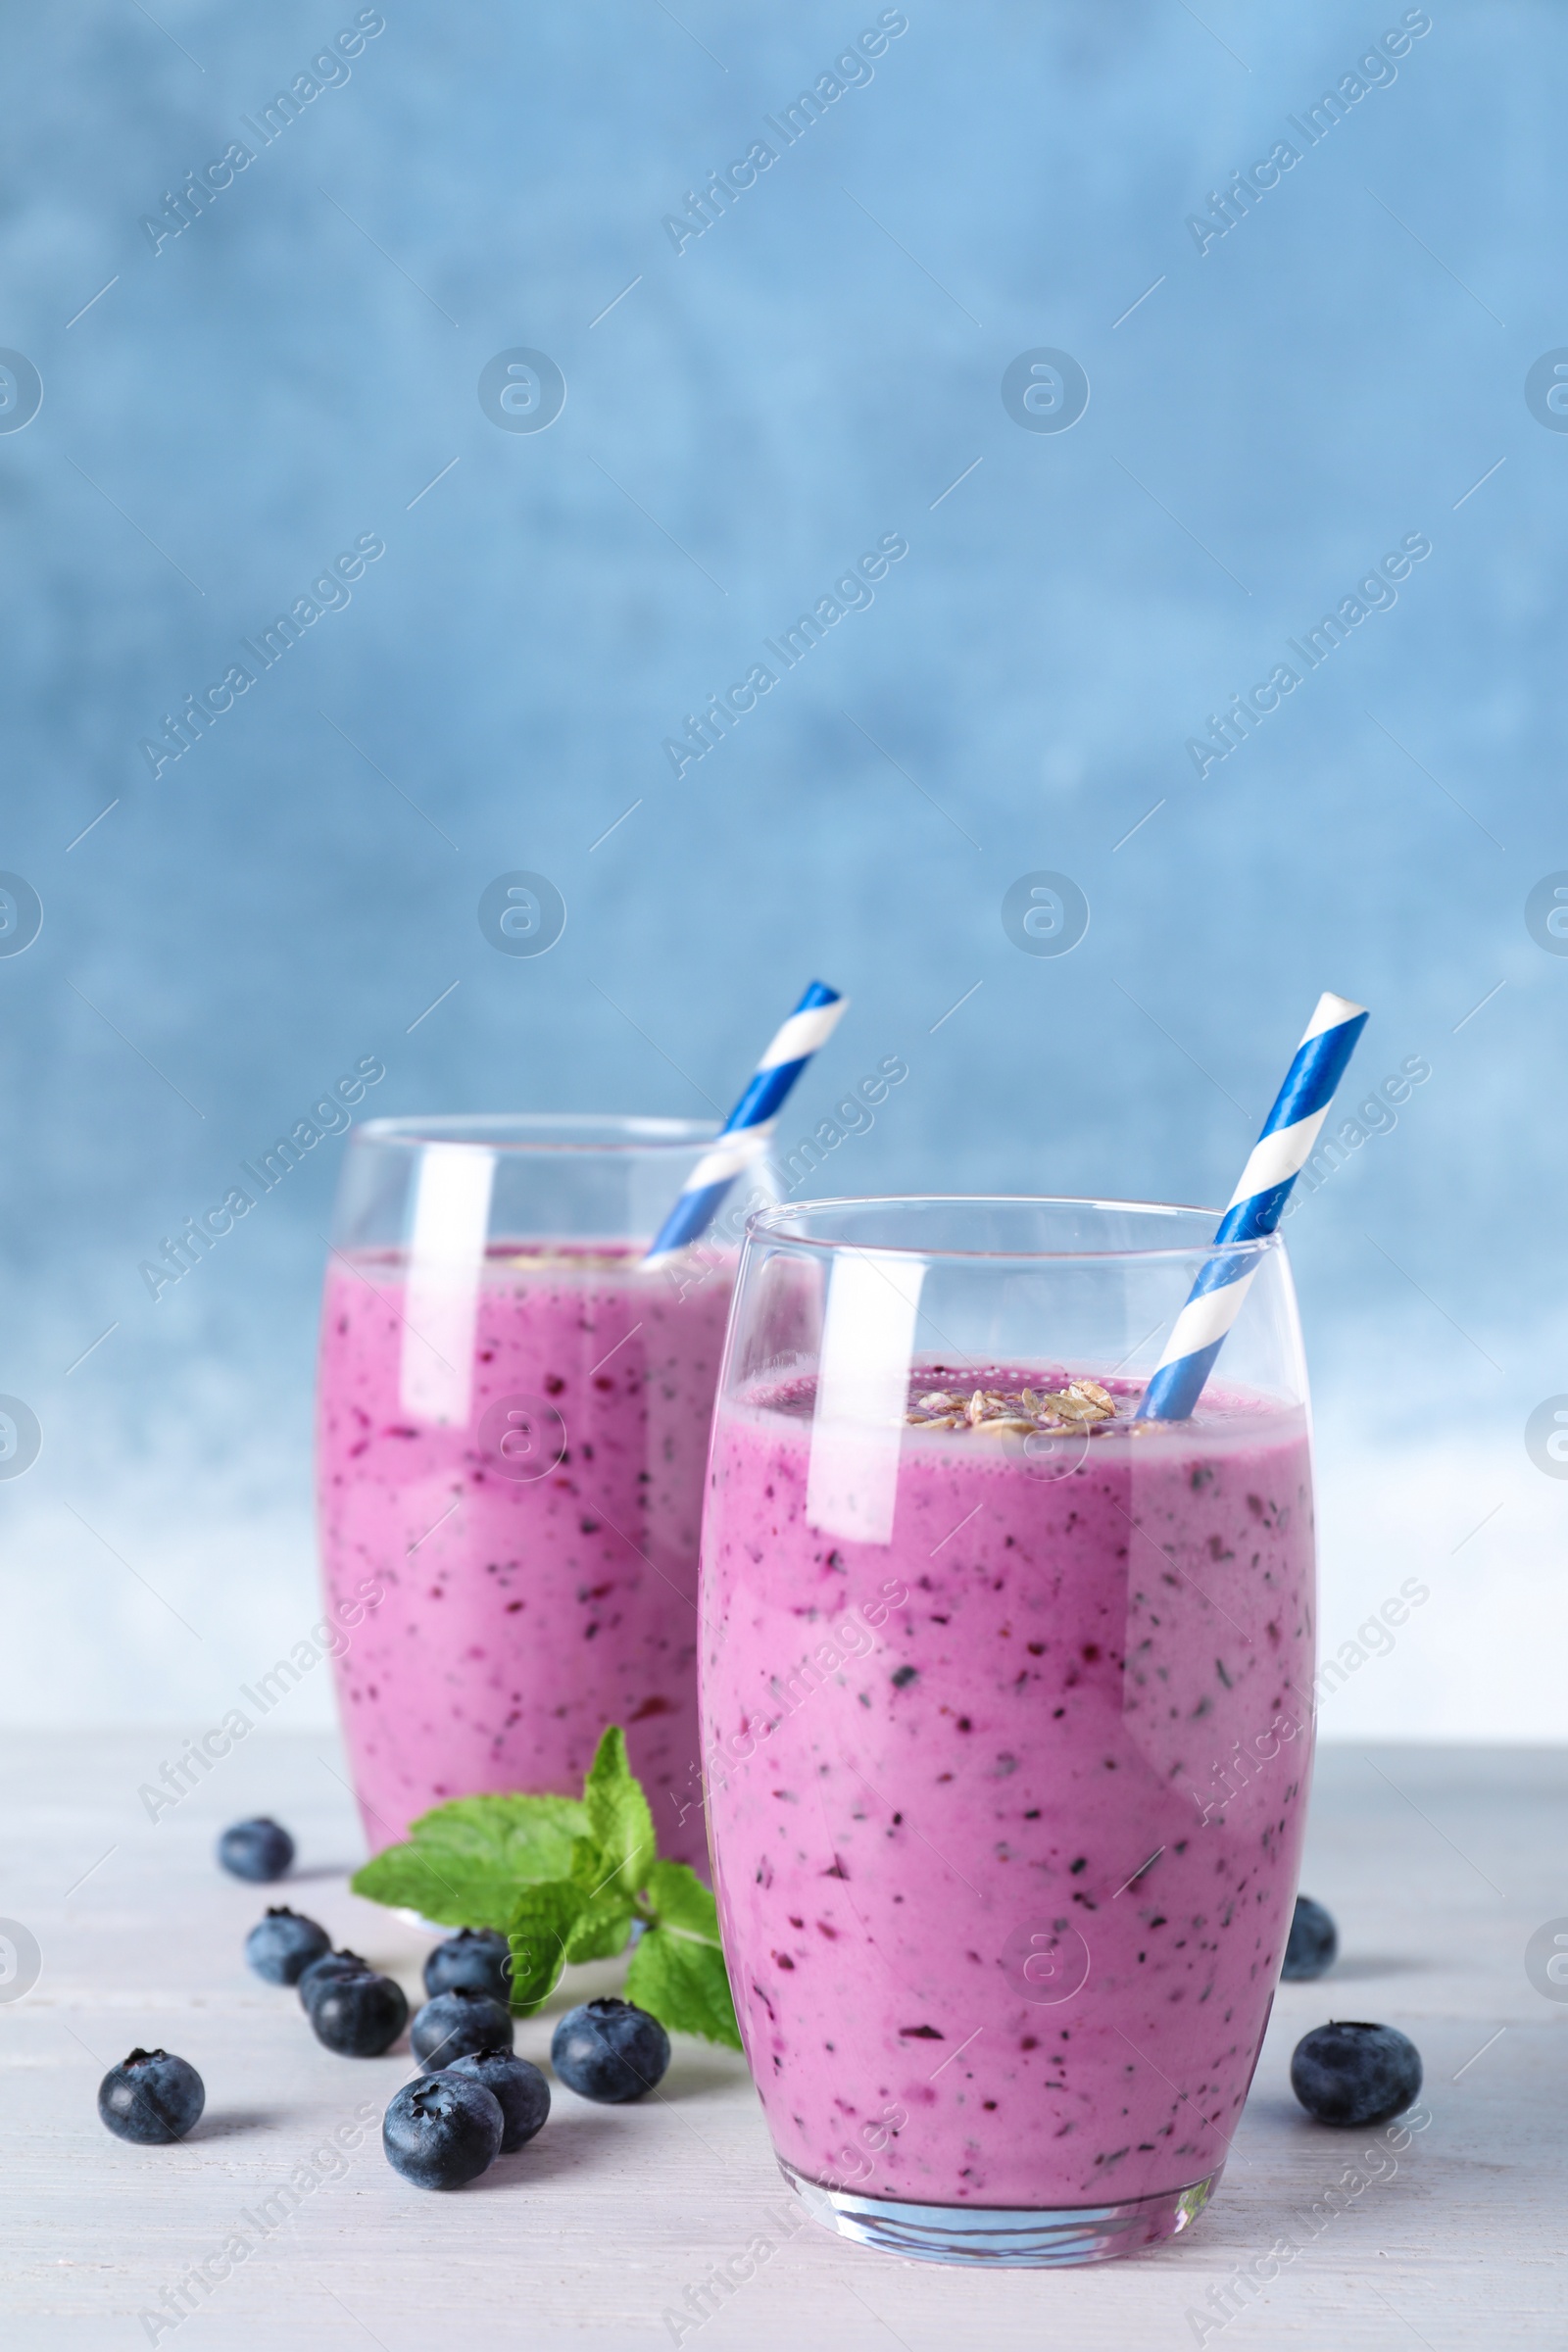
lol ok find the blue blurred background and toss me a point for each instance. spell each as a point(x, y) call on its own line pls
point(1271, 411)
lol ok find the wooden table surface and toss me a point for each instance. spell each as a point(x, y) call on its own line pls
point(1439, 1863)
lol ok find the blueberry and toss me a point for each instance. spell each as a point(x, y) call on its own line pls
point(281, 1946)
point(456, 2023)
point(322, 1972)
point(1312, 1942)
point(358, 2016)
point(258, 1850)
point(442, 2130)
point(608, 2050)
point(151, 2097)
point(522, 2090)
point(1355, 2073)
point(476, 1959)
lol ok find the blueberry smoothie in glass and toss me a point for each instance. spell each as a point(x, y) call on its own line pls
point(1007, 1770)
point(511, 1439)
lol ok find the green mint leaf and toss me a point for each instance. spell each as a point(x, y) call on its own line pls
point(541, 1922)
point(465, 1861)
point(587, 1864)
point(562, 1878)
point(683, 1984)
point(530, 1836)
point(678, 1898)
point(618, 1817)
point(409, 1879)
point(602, 1929)
point(605, 1923)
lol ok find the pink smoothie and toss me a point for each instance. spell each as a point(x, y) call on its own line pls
point(538, 1546)
point(1006, 1813)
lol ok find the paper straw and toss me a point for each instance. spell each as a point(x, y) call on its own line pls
point(1257, 1203)
point(746, 1131)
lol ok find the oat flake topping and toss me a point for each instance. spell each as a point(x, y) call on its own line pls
point(1014, 1410)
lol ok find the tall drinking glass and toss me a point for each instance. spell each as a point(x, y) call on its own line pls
point(1007, 1714)
point(512, 1426)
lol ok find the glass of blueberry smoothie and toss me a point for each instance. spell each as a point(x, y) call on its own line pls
point(512, 1430)
point(1007, 1714)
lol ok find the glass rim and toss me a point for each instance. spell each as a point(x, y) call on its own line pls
point(772, 1224)
point(565, 1132)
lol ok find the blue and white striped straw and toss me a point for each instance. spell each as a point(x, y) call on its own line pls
point(1257, 1203)
point(744, 1132)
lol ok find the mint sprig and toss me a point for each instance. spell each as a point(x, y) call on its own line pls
point(566, 1880)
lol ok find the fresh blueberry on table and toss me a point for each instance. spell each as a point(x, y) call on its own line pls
point(322, 1972)
point(258, 1850)
point(1355, 2073)
point(609, 2050)
point(475, 1959)
point(521, 2089)
point(281, 1945)
point(442, 2130)
point(358, 2016)
point(151, 2097)
point(1312, 1943)
point(456, 2023)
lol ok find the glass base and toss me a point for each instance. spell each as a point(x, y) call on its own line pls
point(1003, 2237)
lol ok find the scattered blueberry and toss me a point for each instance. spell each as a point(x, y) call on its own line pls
point(1355, 2073)
point(477, 1959)
point(608, 2050)
point(358, 2016)
point(521, 2089)
point(322, 1972)
point(442, 2130)
point(258, 1850)
point(281, 1946)
point(151, 2097)
point(456, 2023)
point(1312, 1942)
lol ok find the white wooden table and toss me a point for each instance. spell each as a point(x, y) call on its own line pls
point(1437, 1863)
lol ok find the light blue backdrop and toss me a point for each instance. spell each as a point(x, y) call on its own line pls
point(1271, 412)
